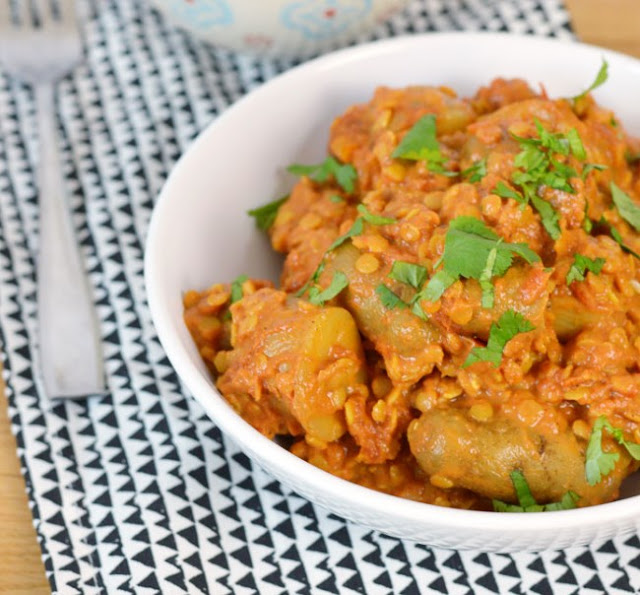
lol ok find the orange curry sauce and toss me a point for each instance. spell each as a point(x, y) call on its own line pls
point(380, 395)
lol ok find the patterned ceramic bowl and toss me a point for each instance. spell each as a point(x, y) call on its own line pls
point(292, 28)
point(201, 216)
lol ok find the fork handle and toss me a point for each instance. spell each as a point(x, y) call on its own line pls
point(70, 358)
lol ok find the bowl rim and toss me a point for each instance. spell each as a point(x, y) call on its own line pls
point(203, 390)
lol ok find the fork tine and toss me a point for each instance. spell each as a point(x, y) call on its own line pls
point(67, 9)
point(44, 10)
point(6, 18)
point(24, 12)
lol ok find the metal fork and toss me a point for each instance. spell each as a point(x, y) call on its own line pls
point(39, 44)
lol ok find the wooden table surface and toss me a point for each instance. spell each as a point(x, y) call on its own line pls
point(609, 23)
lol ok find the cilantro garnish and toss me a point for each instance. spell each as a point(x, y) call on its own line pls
point(336, 199)
point(575, 144)
point(338, 283)
point(600, 79)
point(437, 285)
point(409, 273)
point(486, 276)
point(355, 230)
point(389, 298)
point(345, 175)
point(266, 214)
point(617, 236)
point(416, 308)
point(523, 491)
point(505, 192)
point(511, 323)
point(581, 264)
point(587, 224)
point(589, 167)
point(549, 216)
point(236, 288)
point(473, 251)
point(537, 167)
point(632, 157)
point(421, 144)
point(372, 218)
point(600, 463)
point(568, 501)
point(527, 503)
point(629, 211)
point(477, 171)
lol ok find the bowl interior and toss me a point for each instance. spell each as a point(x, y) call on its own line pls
point(200, 233)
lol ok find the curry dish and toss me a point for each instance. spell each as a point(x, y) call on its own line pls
point(458, 318)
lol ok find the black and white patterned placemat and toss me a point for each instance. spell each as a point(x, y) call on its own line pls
point(137, 492)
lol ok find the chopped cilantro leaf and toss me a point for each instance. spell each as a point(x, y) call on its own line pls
point(486, 276)
point(355, 230)
point(582, 264)
point(587, 224)
point(589, 167)
point(509, 325)
point(372, 218)
point(632, 447)
point(313, 279)
point(468, 247)
point(549, 216)
point(531, 156)
point(575, 143)
point(236, 288)
point(477, 171)
point(416, 308)
point(500, 506)
point(537, 168)
point(319, 270)
point(568, 501)
point(629, 210)
point(527, 502)
point(409, 273)
point(389, 298)
point(560, 175)
point(437, 285)
point(523, 492)
point(338, 283)
point(600, 463)
point(265, 215)
point(336, 199)
point(505, 192)
point(600, 79)
point(421, 144)
point(556, 143)
point(617, 236)
point(345, 175)
point(632, 157)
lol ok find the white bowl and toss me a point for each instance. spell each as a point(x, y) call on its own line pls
point(284, 28)
point(200, 234)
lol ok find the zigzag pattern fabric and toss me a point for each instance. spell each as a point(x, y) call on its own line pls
point(137, 491)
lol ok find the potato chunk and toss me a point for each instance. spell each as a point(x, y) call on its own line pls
point(306, 358)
